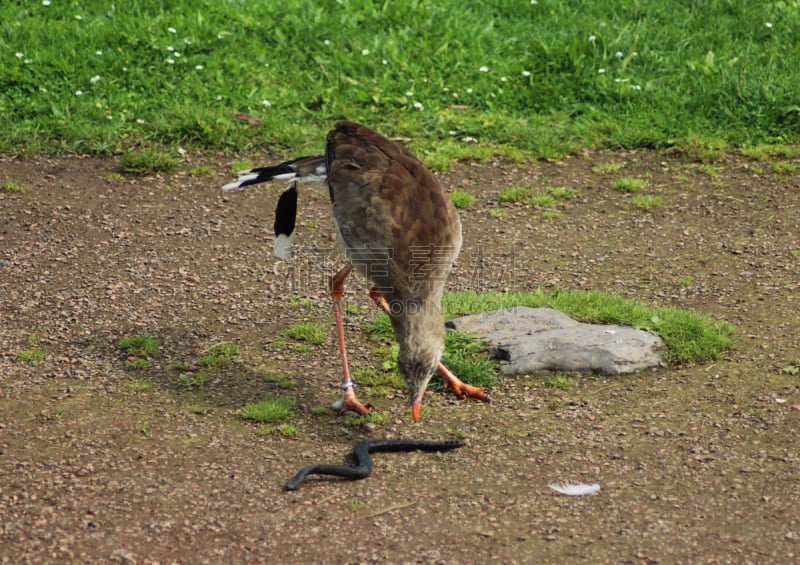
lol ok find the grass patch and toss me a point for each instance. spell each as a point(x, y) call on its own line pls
point(608, 168)
point(627, 184)
point(514, 194)
point(783, 168)
point(203, 171)
point(542, 200)
point(308, 332)
point(562, 193)
point(139, 346)
point(376, 419)
point(498, 213)
point(690, 337)
point(219, 355)
point(147, 161)
point(139, 386)
point(558, 381)
point(30, 355)
point(600, 74)
point(140, 349)
point(764, 152)
point(286, 430)
point(13, 187)
point(461, 199)
point(645, 202)
point(273, 409)
point(238, 166)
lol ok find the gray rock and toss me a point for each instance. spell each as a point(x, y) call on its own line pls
point(536, 339)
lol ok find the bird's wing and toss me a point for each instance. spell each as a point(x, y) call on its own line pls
point(386, 200)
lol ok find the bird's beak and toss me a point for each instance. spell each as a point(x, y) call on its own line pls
point(416, 406)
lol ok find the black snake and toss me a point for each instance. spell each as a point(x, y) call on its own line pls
point(363, 466)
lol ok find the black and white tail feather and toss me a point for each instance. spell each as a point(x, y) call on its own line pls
point(303, 170)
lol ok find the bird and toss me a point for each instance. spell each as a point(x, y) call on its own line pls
point(398, 229)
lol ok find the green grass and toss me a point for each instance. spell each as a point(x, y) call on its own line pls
point(483, 78)
point(13, 187)
point(689, 337)
point(202, 171)
point(140, 349)
point(783, 168)
point(219, 355)
point(627, 184)
point(461, 199)
point(139, 386)
point(139, 345)
point(558, 381)
point(307, 331)
point(608, 168)
point(273, 409)
point(765, 152)
point(542, 200)
point(513, 194)
point(147, 161)
point(645, 202)
point(30, 355)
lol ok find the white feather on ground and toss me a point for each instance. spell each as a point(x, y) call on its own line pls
point(575, 489)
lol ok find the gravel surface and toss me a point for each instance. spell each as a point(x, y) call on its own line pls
point(696, 463)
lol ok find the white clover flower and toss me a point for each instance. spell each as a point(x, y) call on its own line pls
point(198, 67)
point(172, 30)
point(326, 42)
point(526, 73)
point(592, 38)
point(170, 61)
point(95, 79)
point(484, 69)
point(618, 54)
point(601, 71)
point(636, 87)
point(365, 51)
point(452, 132)
point(621, 80)
point(19, 55)
point(170, 49)
point(79, 93)
point(139, 121)
point(78, 17)
point(187, 41)
point(503, 79)
point(45, 2)
point(469, 91)
point(769, 25)
point(469, 139)
point(177, 54)
point(419, 106)
point(98, 53)
point(409, 94)
point(384, 62)
point(266, 103)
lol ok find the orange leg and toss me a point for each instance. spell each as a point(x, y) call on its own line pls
point(337, 293)
point(461, 389)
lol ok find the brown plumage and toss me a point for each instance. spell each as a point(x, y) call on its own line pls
point(399, 229)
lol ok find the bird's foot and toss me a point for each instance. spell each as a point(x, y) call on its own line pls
point(461, 389)
point(351, 404)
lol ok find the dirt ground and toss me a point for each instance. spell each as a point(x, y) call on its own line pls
point(100, 462)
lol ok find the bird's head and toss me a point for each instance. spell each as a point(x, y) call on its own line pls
point(421, 345)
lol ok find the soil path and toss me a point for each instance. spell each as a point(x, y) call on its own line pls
point(102, 462)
